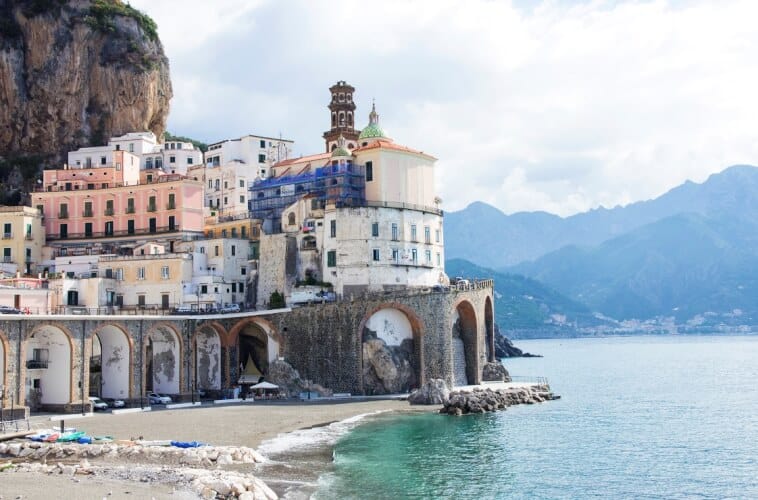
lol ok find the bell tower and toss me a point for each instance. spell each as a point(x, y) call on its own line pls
point(342, 111)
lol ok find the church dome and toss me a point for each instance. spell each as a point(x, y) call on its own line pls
point(372, 130)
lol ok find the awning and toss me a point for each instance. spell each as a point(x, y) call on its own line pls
point(265, 385)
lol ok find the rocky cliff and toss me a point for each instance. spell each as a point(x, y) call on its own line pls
point(75, 72)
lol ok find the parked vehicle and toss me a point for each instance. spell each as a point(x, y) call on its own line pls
point(158, 399)
point(306, 294)
point(115, 403)
point(9, 310)
point(230, 308)
point(98, 404)
point(184, 310)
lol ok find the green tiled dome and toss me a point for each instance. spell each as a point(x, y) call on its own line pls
point(372, 131)
point(340, 152)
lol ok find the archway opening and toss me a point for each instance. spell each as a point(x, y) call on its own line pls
point(48, 368)
point(489, 324)
point(207, 360)
point(257, 347)
point(162, 357)
point(109, 364)
point(464, 352)
point(391, 353)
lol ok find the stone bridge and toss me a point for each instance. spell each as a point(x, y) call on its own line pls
point(374, 344)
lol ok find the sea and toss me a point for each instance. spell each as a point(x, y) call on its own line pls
point(639, 417)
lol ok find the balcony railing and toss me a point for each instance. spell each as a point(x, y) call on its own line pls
point(152, 208)
point(28, 236)
point(7, 236)
point(63, 215)
point(7, 259)
point(130, 210)
point(171, 206)
point(35, 364)
point(102, 234)
point(87, 213)
point(109, 212)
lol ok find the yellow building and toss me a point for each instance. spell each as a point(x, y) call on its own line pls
point(23, 238)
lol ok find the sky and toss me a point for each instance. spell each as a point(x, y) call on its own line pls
point(559, 106)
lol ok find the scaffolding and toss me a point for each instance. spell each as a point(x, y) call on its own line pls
point(343, 184)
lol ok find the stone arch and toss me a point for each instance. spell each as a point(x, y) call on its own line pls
point(49, 361)
point(110, 362)
point(3, 371)
point(391, 349)
point(465, 345)
point(162, 355)
point(207, 357)
point(489, 329)
point(254, 338)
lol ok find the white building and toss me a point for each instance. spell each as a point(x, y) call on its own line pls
point(172, 157)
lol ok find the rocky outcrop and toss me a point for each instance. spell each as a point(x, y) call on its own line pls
point(486, 400)
point(73, 73)
point(434, 392)
point(387, 369)
point(288, 379)
point(495, 371)
point(504, 348)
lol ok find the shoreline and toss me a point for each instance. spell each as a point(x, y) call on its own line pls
point(249, 425)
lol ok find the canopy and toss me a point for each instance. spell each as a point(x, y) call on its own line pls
point(265, 385)
point(252, 373)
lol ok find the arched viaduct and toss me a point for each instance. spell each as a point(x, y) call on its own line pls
point(54, 363)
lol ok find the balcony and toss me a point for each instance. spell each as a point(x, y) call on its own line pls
point(171, 206)
point(7, 259)
point(7, 236)
point(87, 213)
point(130, 210)
point(109, 234)
point(109, 212)
point(36, 364)
point(63, 215)
point(28, 236)
point(152, 208)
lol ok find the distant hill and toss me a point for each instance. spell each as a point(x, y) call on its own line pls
point(525, 307)
point(484, 235)
point(691, 254)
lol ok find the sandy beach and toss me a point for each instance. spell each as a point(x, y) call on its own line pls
point(239, 425)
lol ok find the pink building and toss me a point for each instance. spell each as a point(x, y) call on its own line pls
point(118, 200)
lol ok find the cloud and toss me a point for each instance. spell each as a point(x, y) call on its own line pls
point(557, 106)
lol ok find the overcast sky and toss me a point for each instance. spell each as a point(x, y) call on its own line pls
point(559, 106)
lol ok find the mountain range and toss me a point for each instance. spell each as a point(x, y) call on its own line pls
point(690, 254)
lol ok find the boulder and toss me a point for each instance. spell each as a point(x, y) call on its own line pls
point(495, 371)
point(434, 392)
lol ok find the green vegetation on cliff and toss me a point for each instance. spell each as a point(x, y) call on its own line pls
point(168, 136)
point(102, 16)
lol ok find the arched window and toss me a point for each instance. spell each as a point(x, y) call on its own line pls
point(291, 218)
point(342, 118)
point(349, 118)
point(334, 119)
point(334, 146)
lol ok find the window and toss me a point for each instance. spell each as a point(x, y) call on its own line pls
point(141, 301)
point(108, 207)
point(130, 205)
point(63, 231)
point(243, 270)
point(291, 219)
point(153, 224)
point(7, 230)
point(263, 144)
point(131, 148)
point(414, 256)
point(203, 288)
point(202, 249)
point(439, 259)
point(394, 231)
point(375, 254)
point(436, 235)
point(395, 255)
point(331, 258)
point(148, 163)
point(158, 162)
point(413, 232)
point(102, 160)
point(242, 287)
point(428, 256)
point(41, 209)
point(242, 183)
point(87, 209)
point(215, 250)
point(28, 231)
point(151, 205)
point(226, 200)
point(375, 229)
point(243, 232)
point(171, 201)
point(223, 233)
point(172, 159)
point(261, 158)
point(427, 234)
point(164, 301)
point(333, 228)
point(189, 160)
point(234, 287)
point(172, 223)
point(140, 273)
point(63, 213)
point(164, 272)
point(218, 184)
point(234, 232)
point(6, 254)
point(234, 249)
point(120, 274)
point(88, 229)
point(242, 198)
point(369, 171)
point(130, 226)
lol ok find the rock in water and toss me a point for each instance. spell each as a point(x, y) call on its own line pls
point(74, 73)
point(495, 371)
point(434, 392)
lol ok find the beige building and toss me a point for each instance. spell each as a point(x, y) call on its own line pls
point(23, 238)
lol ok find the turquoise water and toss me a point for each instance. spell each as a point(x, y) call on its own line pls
point(640, 417)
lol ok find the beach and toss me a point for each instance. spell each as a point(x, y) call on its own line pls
point(248, 424)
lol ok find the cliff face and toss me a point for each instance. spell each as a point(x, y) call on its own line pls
point(73, 73)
